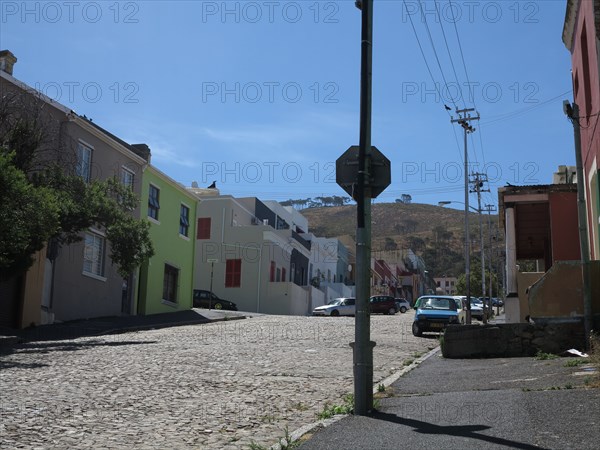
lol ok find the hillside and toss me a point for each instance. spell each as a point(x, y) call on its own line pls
point(434, 232)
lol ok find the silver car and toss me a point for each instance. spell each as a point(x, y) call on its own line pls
point(337, 307)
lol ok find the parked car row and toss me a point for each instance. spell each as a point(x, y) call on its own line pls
point(382, 304)
point(436, 312)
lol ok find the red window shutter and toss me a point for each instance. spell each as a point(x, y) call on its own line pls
point(203, 230)
point(233, 271)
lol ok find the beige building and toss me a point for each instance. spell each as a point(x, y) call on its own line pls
point(445, 285)
point(74, 281)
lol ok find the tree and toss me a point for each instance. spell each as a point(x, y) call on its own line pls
point(415, 243)
point(390, 244)
point(475, 280)
point(40, 201)
point(29, 216)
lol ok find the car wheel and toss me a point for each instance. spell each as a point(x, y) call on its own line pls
point(218, 305)
point(416, 329)
point(335, 313)
point(392, 311)
point(403, 309)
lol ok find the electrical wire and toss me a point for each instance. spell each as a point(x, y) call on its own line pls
point(424, 17)
point(431, 74)
point(449, 53)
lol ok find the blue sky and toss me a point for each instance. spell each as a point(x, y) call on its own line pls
point(263, 96)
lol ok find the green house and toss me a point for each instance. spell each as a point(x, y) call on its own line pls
point(166, 279)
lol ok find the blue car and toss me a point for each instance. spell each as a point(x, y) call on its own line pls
point(434, 313)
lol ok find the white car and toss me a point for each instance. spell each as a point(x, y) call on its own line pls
point(337, 307)
point(476, 308)
point(402, 305)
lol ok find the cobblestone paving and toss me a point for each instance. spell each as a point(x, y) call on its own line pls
point(218, 385)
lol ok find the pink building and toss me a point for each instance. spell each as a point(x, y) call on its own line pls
point(581, 36)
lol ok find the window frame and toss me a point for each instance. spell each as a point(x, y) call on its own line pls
point(173, 283)
point(153, 202)
point(98, 259)
point(83, 168)
point(184, 220)
point(128, 183)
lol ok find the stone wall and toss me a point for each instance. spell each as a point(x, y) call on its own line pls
point(511, 340)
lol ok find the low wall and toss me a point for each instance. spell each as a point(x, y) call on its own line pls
point(511, 339)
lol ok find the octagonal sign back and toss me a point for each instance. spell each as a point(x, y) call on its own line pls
point(346, 171)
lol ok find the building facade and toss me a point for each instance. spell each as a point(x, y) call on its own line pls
point(581, 36)
point(166, 279)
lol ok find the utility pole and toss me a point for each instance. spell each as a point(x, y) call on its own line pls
point(463, 121)
point(478, 180)
point(363, 346)
point(572, 112)
point(490, 209)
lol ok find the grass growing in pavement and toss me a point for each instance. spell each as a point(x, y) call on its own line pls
point(575, 362)
point(331, 410)
point(285, 443)
point(594, 359)
point(544, 356)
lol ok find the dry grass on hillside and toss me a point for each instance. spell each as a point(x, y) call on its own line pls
point(391, 220)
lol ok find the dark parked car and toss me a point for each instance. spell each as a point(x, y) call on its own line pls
point(384, 304)
point(434, 313)
point(206, 299)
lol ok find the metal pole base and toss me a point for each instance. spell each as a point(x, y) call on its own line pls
point(363, 376)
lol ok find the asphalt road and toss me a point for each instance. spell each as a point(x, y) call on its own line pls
point(521, 403)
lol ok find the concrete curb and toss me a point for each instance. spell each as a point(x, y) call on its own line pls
point(312, 427)
point(166, 325)
point(10, 341)
point(394, 377)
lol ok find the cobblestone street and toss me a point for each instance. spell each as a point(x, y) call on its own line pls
point(217, 385)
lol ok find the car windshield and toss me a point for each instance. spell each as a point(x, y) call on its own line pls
point(437, 303)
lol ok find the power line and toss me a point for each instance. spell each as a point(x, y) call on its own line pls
point(424, 17)
point(512, 114)
point(429, 70)
point(449, 53)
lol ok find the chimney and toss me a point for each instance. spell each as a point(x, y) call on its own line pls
point(7, 61)
point(142, 150)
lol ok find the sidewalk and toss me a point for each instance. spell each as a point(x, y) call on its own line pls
point(521, 403)
point(112, 325)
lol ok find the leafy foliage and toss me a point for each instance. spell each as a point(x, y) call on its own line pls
point(40, 201)
point(29, 216)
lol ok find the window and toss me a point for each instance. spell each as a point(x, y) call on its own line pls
point(170, 279)
point(203, 228)
point(93, 254)
point(233, 270)
point(184, 220)
point(278, 279)
point(272, 272)
point(283, 274)
point(127, 178)
point(587, 86)
point(84, 162)
point(153, 202)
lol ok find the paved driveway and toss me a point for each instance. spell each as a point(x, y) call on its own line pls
point(217, 385)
